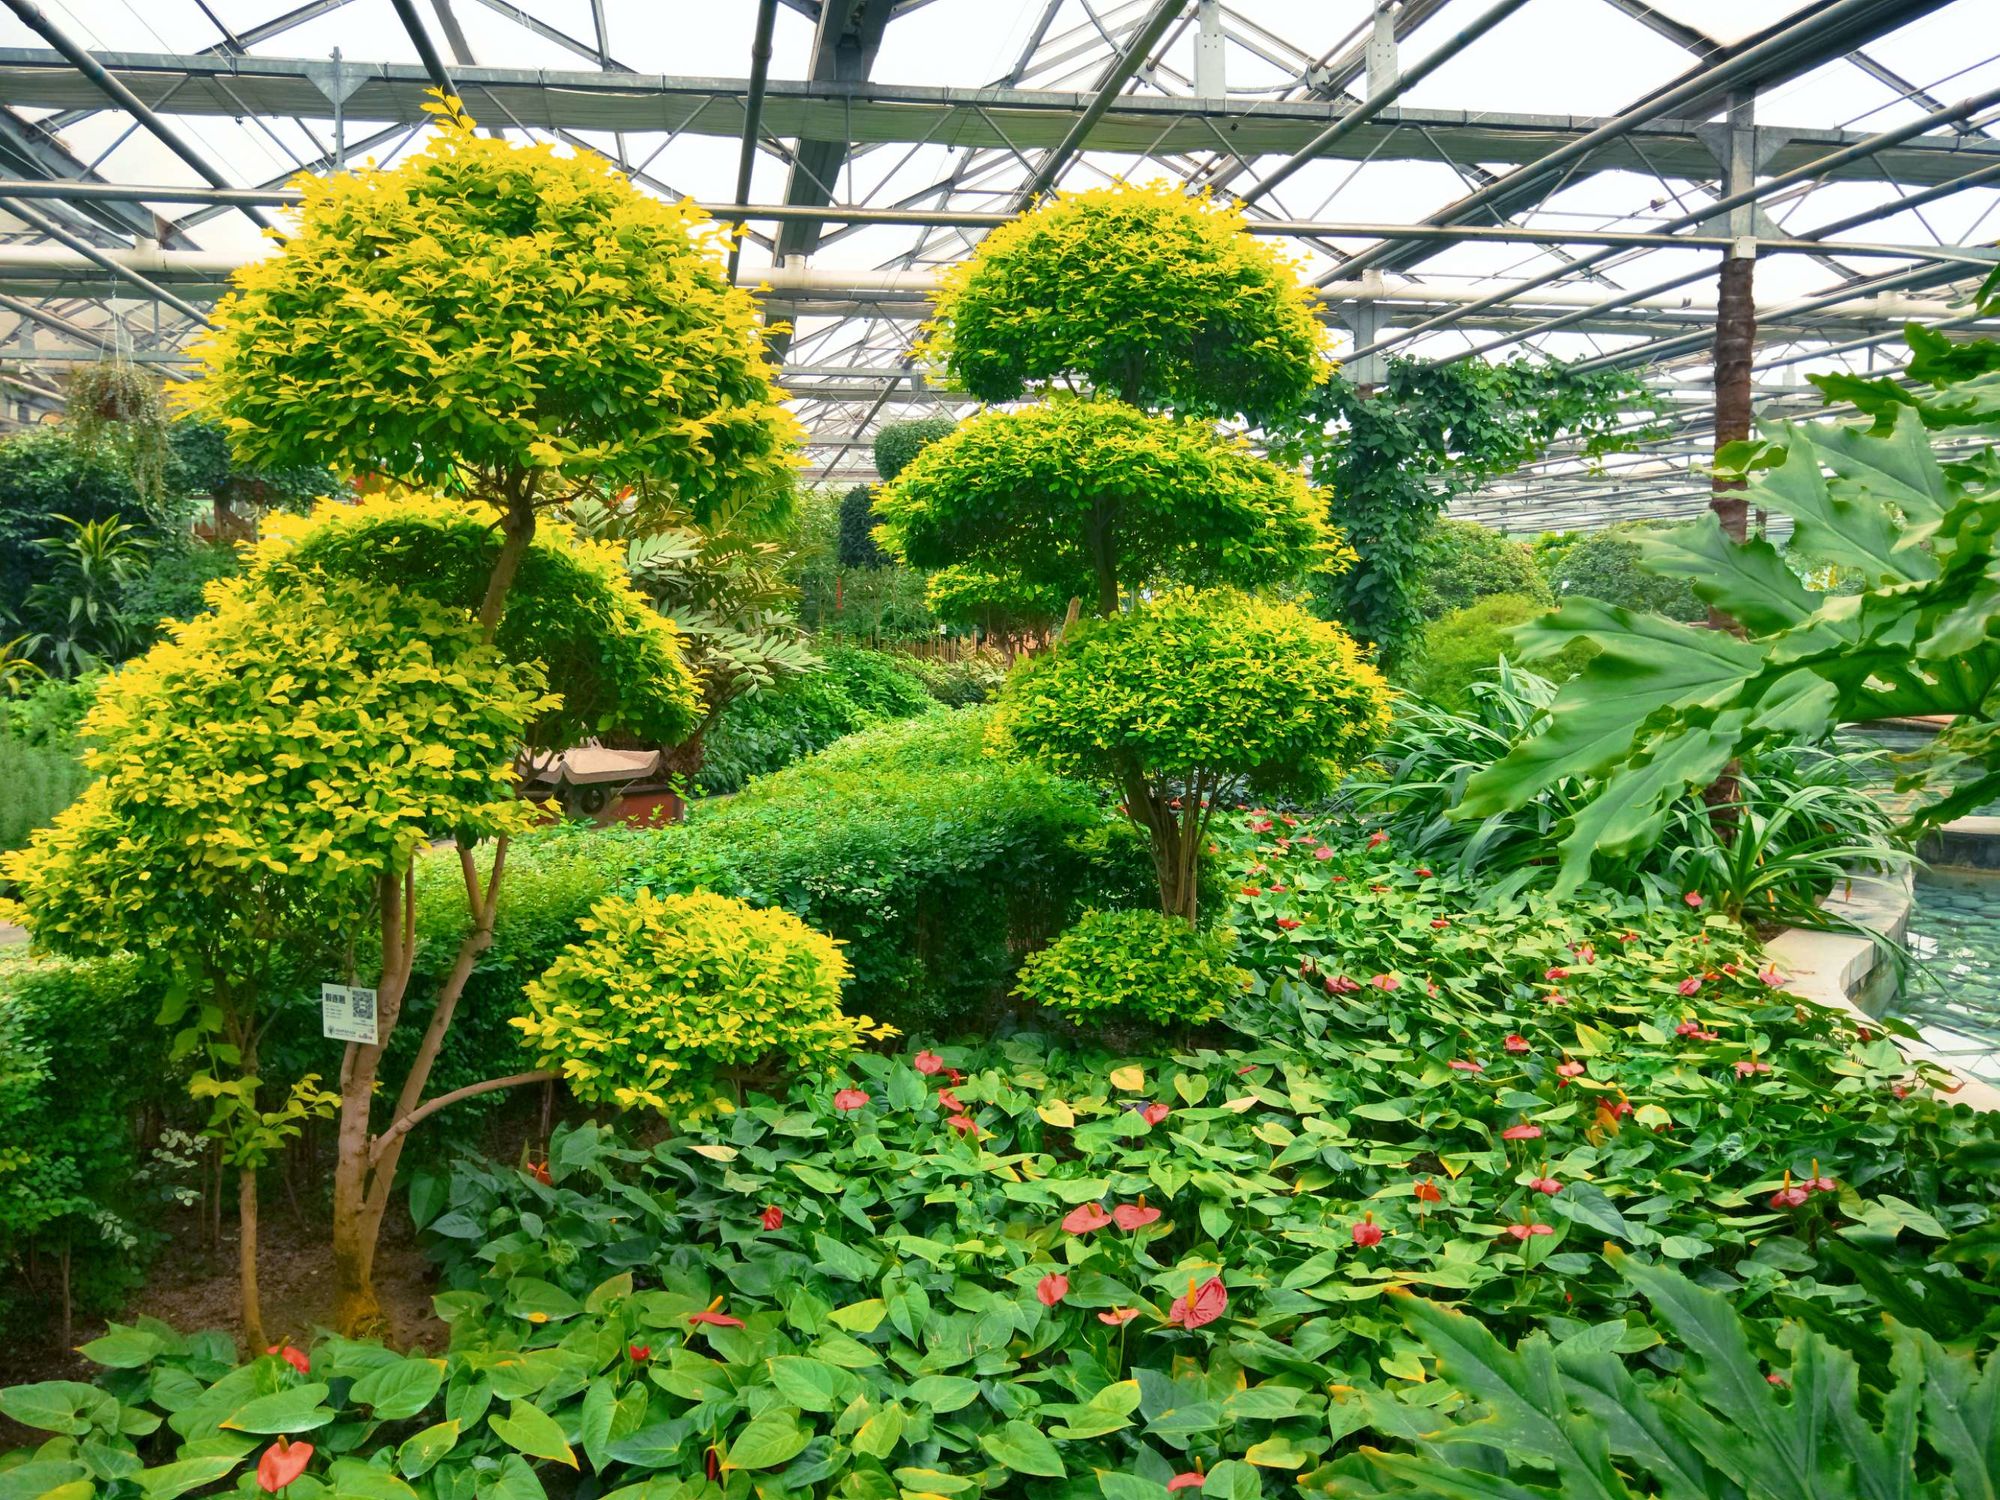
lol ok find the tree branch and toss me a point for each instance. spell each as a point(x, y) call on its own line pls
point(430, 1107)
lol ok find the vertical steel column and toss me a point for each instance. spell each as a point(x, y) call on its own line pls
point(1736, 313)
point(1210, 81)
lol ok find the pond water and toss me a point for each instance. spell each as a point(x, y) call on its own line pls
point(1952, 990)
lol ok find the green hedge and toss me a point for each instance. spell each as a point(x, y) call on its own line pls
point(1461, 649)
point(940, 865)
point(1462, 562)
point(764, 732)
point(1605, 565)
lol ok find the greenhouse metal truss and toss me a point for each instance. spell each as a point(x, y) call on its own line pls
point(1848, 149)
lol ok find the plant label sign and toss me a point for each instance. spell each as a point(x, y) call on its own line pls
point(347, 1013)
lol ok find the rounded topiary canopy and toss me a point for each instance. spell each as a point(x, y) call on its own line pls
point(899, 442)
point(1202, 689)
point(486, 317)
point(1462, 562)
point(1085, 497)
point(615, 661)
point(1142, 293)
point(261, 767)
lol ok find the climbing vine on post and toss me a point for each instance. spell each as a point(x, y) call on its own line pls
point(1393, 457)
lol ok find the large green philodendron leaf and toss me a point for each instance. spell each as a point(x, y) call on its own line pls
point(1645, 663)
point(1749, 582)
point(1854, 528)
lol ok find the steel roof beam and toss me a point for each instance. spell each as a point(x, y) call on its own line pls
point(1124, 63)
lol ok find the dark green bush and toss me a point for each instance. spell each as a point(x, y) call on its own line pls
point(856, 546)
point(49, 714)
point(1605, 565)
point(1460, 649)
point(1463, 562)
point(36, 783)
point(899, 442)
point(171, 586)
point(764, 732)
point(938, 863)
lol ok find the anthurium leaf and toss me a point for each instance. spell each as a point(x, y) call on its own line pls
point(416, 1455)
point(528, 1429)
point(67, 1406)
point(1022, 1448)
point(401, 1390)
point(772, 1439)
point(942, 1394)
point(288, 1412)
point(169, 1480)
point(351, 1479)
point(811, 1384)
point(122, 1348)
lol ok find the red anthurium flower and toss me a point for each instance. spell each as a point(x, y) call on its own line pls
point(1386, 982)
point(1521, 1132)
point(1552, 998)
point(1340, 984)
point(1524, 1232)
point(1729, 969)
point(1367, 1232)
point(1377, 839)
point(1155, 1112)
point(639, 1353)
point(955, 1076)
point(1338, 879)
point(1324, 851)
point(948, 1100)
point(1693, 899)
point(1556, 974)
point(1770, 975)
point(963, 1124)
point(1774, 1378)
point(1585, 953)
point(927, 1063)
point(1278, 890)
point(541, 1172)
point(1466, 1065)
point(1260, 825)
point(1051, 1289)
point(1378, 887)
point(1134, 1215)
point(1288, 820)
point(1202, 1304)
point(1694, 1031)
point(1546, 1185)
point(1083, 1220)
point(294, 1357)
point(1690, 984)
point(1253, 890)
point(1791, 1195)
point(1569, 1068)
point(1618, 1107)
point(713, 1318)
point(773, 1216)
point(1517, 1043)
point(1186, 1482)
point(1438, 923)
point(282, 1462)
point(1423, 873)
point(1286, 924)
point(1427, 1192)
point(848, 1099)
point(1118, 1315)
point(1747, 1067)
point(1628, 937)
point(1821, 1184)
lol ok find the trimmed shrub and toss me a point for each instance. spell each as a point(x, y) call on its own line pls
point(767, 731)
point(899, 442)
point(938, 864)
point(1463, 562)
point(36, 783)
point(665, 991)
point(1461, 648)
point(1605, 565)
point(1134, 963)
point(856, 546)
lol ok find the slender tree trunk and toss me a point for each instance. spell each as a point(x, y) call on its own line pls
point(517, 532)
point(246, 1259)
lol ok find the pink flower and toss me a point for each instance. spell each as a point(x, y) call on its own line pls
point(1569, 1068)
point(1522, 1232)
point(1324, 851)
point(1155, 1112)
point(1134, 1215)
point(1522, 1132)
point(1585, 953)
point(1694, 1032)
point(1791, 1195)
point(1546, 1185)
point(1517, 1043)
point(1693, 899)
point(1466, 1065)
point(1051, 1289)
point(1386, 982)
point(1118, 1316)
point(282, 1462)
point(849, 1099)
point(1085, 1220)
point(947, 1100)
point(1439, 922)
point(1748, 1066)
point(1202, 1304)
point(1377, 839)
point(1770, 975)
point(773, 1216)
point(1186, 1482)
point(1367, 1233)
point(1554, 974)
point(1690, 984)
point(927, 1063)
point(963, 1124)
point(1552, 998)
point(1340, 984)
